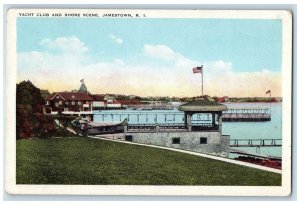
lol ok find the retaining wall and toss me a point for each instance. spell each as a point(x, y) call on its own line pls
point(216, 144)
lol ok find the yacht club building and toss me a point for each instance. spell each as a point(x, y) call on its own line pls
point(72, 103)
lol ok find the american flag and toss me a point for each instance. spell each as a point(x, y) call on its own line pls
point(197, 69)
point(268, 92)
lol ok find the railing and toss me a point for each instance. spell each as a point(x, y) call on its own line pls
point(76, 113)
point(255, 142)
point(246, 117)
point(141, 116)
point(160, 106)
point(170, 127)
point(247, 110)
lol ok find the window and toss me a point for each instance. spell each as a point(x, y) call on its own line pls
point(176, 140)
point(128, 138)
point(47, 102)
point(79, 103)
point(203, 140)
point(73, 102)
point(67, 102)
point(60, 102)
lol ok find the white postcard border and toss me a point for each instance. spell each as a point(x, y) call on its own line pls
point(11, 73)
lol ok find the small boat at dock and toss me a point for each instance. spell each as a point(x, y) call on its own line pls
point(86, 127)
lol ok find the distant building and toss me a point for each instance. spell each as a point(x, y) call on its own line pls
point(109, 99)
point(114, 104)
point(66, 102)
point(126, 102)
point(223, 99)
point(98, 102)
point(132, 96)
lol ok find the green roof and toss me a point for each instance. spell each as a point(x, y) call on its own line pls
point(202, 106)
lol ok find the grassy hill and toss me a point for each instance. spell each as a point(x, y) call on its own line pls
point(92, 161)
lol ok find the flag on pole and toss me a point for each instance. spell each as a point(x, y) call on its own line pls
point(197, 69)
point(268, 92)
point(81, 80)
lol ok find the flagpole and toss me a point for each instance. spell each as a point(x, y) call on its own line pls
point(202, 79)
point(270, 103)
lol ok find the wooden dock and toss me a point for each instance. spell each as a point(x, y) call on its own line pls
point(246, 115)
point(258, 144)
point(154, 116)
point(255, 142)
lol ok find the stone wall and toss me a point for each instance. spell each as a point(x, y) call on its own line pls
point(225, 145)
point(216, 144)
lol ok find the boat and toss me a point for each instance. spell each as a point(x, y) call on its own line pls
point(85, 127)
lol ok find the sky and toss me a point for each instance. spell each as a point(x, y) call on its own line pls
point(152, 57)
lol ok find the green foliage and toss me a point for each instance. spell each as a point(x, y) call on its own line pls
point(28, 94)
point(93, 161)
point(44, 93)
point(31, 122)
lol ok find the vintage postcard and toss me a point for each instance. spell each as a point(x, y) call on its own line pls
point(148, 102)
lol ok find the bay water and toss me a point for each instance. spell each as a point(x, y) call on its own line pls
point(237, 130)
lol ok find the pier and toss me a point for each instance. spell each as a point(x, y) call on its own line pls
point(157, 128)
point(257, 157)
point(246, 114)
point(151, 106)
point(255, 142)
point(198, 127)
point(141, 117)
point(167, 117)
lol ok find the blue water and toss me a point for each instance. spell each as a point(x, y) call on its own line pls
point(236, 130)
point(257, 130)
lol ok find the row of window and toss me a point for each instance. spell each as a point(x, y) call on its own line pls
point(176, 140)
point(66, 102)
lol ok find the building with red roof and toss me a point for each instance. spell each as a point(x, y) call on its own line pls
point(68, 102)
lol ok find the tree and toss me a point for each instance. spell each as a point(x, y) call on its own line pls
point(31, 122)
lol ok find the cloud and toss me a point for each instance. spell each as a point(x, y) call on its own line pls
point(116, 39)
point(64, 45)
point(244, 84)
point(61, 71)
point(119, 61)
point(159, 52)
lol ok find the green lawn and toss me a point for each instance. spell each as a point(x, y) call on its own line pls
point(93, 161)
